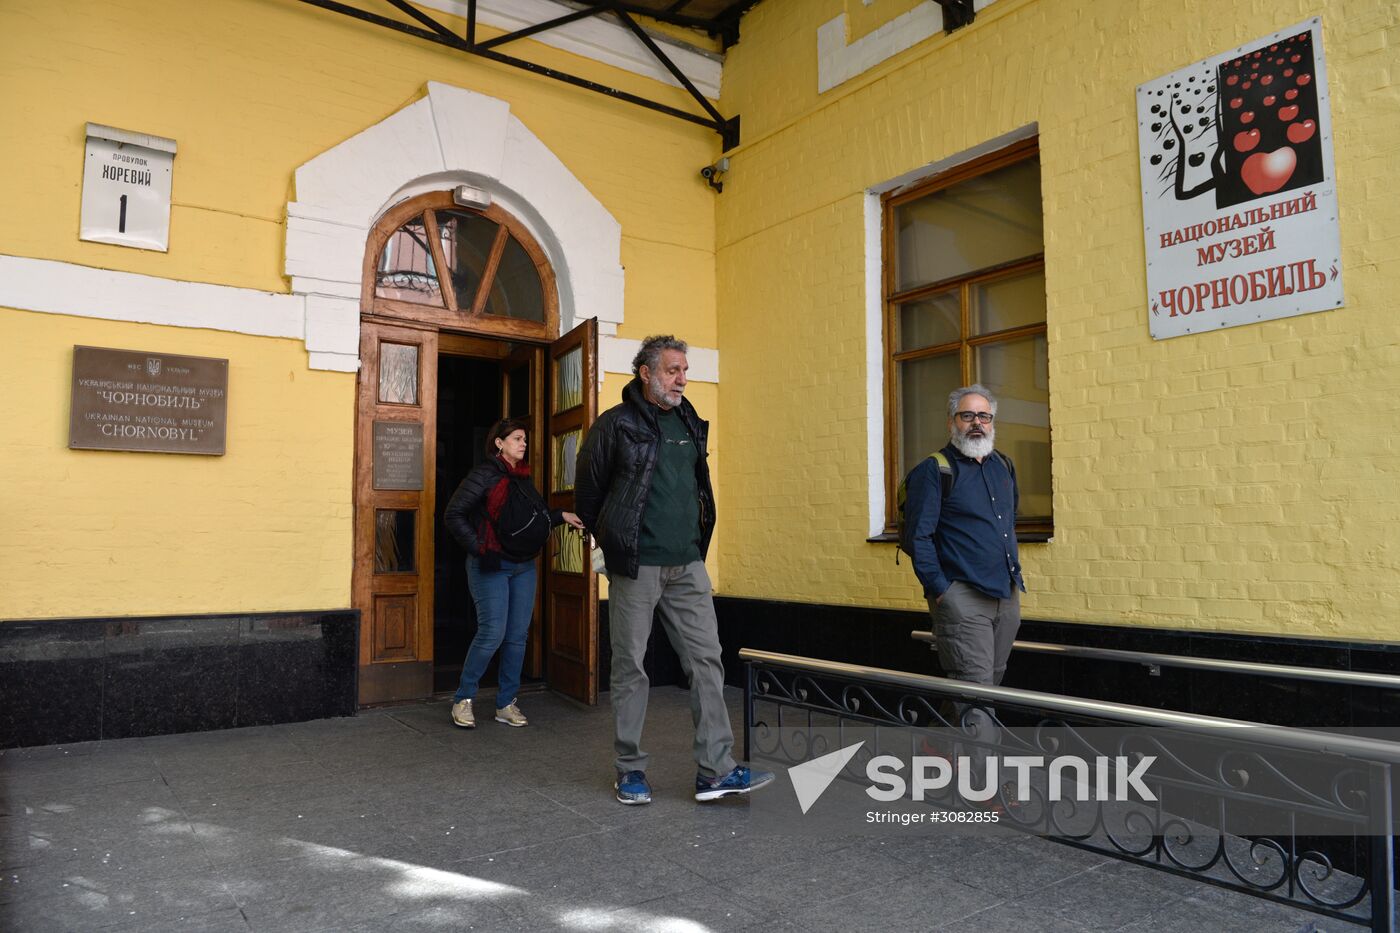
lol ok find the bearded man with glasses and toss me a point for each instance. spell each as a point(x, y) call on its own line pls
point(962, 541)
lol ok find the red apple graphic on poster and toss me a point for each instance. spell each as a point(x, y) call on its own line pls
point(1266, 172)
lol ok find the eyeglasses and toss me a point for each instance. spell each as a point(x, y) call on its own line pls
point(982, 417)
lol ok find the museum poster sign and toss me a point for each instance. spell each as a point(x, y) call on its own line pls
point(398, 455)
point(1239, 194)
point(132, 400)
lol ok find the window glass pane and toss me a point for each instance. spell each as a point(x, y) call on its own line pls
point(565, 457)
point(929, 322)
point(406, 271)
point(1010, 302)
point(981, 222)
point(568, 380)
point(923, 406)
point(398, 373)
point(393, 540)
point(466, 245)
point(516, 291)
point(568, 549)
point(1016, 372)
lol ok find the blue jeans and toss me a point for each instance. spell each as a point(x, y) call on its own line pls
point(505, 601)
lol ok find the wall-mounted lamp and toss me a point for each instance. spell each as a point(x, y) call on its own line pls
point(467, 196)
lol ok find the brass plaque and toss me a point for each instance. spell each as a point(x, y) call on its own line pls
point(398, 455)
point(130, 400)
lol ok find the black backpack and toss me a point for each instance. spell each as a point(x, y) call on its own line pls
point(523, 526)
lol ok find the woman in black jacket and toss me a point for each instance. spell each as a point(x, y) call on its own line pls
point(503, 522)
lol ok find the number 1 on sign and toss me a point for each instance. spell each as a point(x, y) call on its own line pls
point(121, 220)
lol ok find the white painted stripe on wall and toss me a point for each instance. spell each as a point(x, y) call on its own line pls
point(615, 355)
point(329, 325)
point(83, 291)
point(838, 62)
point(601, 39)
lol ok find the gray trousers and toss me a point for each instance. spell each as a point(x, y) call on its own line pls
point(974, 633)
point(688, 614)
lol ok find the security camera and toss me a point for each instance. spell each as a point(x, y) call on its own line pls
point(712, 174)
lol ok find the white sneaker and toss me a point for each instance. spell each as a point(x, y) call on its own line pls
point(462, 714)
point(511, 716)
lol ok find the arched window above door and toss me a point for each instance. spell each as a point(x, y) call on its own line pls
point(431, 260)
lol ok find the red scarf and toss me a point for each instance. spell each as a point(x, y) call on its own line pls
point(496, 500)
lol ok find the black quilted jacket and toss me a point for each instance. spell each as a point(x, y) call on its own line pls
point(614, 476)
point(467, 509)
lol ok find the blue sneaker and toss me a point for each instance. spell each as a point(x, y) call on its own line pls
point(739, 781)
point(632, 788)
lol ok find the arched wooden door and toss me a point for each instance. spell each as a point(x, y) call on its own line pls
point(433, 267)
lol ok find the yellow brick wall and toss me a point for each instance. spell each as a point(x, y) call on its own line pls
point(1242, 480)
point(251, 89)
point(93, 532)
point(865, 16)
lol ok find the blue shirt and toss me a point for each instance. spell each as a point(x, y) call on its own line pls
point(971, 535)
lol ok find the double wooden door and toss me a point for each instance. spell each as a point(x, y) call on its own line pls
point(395, 468)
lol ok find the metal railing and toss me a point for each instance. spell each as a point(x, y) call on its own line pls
point(1255, 765)
point(1154, 662)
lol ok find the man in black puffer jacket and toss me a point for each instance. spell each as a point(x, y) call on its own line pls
point(643, 490)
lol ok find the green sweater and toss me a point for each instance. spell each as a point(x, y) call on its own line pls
point(670, 534)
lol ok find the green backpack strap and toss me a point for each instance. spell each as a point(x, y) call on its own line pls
point(945, 470)
point(945, 473)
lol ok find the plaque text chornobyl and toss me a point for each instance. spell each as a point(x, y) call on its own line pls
point(160, 402)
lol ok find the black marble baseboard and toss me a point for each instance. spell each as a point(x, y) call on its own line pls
point(880, 638)
point(74, 680)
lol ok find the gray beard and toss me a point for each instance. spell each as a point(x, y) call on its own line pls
point(658, 395)
point(974, 447)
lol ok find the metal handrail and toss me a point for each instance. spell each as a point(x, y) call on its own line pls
point(1153, 659)
point(1327, 743)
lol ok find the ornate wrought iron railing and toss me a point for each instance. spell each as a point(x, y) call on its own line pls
point(1155, 661)
point(1207, 771)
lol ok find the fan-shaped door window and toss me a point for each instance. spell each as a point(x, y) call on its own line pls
point(477, 270)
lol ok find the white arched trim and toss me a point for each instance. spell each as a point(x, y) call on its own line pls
point(451, 136)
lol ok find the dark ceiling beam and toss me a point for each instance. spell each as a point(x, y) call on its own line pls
point(727, 129)
point(727, 22)
point(586, 12)
point(956, 14)
point(675, 19)
point(424, 18)
point(666, 62)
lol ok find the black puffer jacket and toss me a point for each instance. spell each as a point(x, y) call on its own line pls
point(467, 509)
point(615, 465)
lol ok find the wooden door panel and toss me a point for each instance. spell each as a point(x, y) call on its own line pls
point(571, 404)
point(392, 581)
point(395, 624)
point(566, 633)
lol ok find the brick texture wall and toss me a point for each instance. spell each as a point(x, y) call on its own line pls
point(1240, 480)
